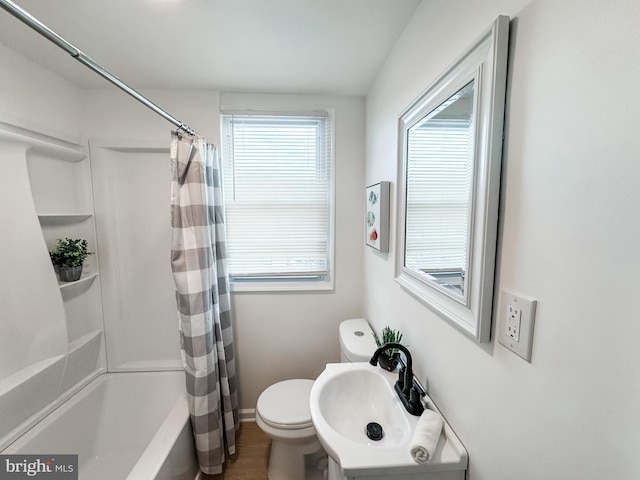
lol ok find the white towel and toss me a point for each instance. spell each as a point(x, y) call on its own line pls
point(426, 436)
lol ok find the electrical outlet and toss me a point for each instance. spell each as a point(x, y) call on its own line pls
point(516, 317)
point(513, 322)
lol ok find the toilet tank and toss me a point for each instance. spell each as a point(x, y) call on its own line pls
point(356, 341)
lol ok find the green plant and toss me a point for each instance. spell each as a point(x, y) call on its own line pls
point(388, 336)
point(69, 253)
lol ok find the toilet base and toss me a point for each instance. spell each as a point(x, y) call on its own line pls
point(295, 462)
point(294, 453)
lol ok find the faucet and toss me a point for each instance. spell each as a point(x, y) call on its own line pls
point(405, 387)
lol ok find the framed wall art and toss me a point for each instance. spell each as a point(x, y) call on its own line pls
point(377, 216)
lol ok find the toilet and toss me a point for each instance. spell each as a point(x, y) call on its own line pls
point(282, 412)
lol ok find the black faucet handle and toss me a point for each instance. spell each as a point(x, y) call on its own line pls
point(401, 377)
point(415, 401)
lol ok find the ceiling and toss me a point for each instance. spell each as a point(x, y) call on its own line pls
point(261, 46)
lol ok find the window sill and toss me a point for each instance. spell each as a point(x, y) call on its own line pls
point(274, 286)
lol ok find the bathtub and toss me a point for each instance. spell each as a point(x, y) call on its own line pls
point(132, 426)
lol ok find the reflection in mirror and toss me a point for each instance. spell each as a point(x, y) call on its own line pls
point(438, 198)
point(450, 151)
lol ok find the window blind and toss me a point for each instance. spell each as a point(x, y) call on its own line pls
point(277, 177)
point(438, 201)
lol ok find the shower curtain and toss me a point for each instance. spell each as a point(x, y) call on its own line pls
point(198, 262)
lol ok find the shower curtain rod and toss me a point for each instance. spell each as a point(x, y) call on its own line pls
point(50, 35)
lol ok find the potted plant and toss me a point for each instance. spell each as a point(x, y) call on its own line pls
point(389, 358)
point(68, 258)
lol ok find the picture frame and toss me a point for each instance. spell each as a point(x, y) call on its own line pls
point(377, 216)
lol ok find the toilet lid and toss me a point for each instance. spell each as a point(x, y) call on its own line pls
point(286, 404)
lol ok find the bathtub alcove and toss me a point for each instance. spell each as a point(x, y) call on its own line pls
point(132, 426)
point(56, 395)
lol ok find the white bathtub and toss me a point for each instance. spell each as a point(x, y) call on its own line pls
point(132, 426)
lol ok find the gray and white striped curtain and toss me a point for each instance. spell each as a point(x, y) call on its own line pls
point(198, 262)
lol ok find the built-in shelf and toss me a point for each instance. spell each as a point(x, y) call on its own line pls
point(84, 340)
point(56, 221)
point(67, 149)
point(84, 278)
point(64, 216)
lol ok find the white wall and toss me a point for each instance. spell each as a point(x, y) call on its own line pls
point(568, 237)
point(112, 116)
point(33, 95)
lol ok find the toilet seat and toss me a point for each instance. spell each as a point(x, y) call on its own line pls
point(285, 405)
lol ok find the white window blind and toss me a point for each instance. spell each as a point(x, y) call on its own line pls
point(438, 195)
point(277, 181)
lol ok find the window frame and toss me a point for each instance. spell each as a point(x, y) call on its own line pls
point(291, 283)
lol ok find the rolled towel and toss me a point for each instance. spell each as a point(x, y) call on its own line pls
point(426, 436)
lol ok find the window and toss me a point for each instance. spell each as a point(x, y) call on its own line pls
point(277, 182)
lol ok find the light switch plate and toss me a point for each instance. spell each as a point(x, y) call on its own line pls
point(515, 322)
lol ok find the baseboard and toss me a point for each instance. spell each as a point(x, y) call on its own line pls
point(247, 415)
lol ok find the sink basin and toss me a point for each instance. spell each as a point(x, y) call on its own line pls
point(346, 397)
point(355, 397)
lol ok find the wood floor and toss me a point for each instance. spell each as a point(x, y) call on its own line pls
point(250, 459)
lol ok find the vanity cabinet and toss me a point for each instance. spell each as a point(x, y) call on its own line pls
point(334, 472)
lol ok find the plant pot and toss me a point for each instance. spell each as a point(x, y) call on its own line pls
point(69, 274)
point(389, 362)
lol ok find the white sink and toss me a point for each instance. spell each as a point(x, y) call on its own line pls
point(348, 396)
point(352, 398)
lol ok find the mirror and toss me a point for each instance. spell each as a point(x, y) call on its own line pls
point(450, 150)
point(438, 201)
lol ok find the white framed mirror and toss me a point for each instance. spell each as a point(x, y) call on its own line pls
point(450, 153)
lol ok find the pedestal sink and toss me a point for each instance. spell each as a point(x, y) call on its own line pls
point(346, 398)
